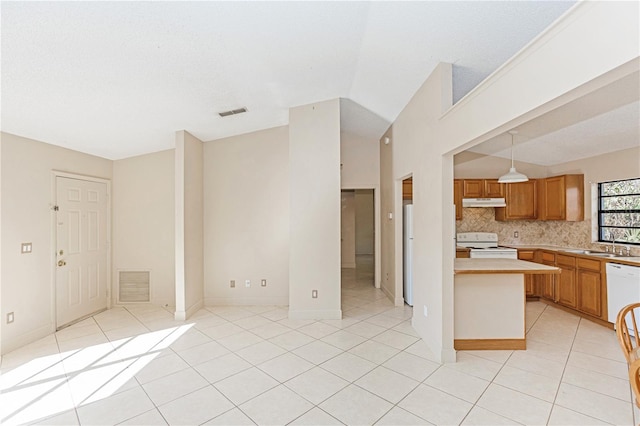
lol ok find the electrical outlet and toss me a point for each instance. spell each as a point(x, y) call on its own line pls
point(232, 283)
point(263, 282)
point(314, 294)
point(247, 283)
point(516, 234)
point(425, 310)
point(10, 317)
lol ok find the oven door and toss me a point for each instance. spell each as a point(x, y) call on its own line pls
point(489, 253)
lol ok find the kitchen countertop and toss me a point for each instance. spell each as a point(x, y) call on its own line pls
point(627, 260)
point(501, 266)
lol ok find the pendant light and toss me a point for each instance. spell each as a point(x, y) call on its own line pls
point(513, 176)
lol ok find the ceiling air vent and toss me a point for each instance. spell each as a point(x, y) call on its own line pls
point(232, 112)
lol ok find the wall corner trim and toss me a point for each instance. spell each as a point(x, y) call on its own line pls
point(184, 315)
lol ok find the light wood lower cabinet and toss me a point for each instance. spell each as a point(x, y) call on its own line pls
point(591, 292)
point(547, 283)
point(567, 289)
point(580, 286)
point(529, 280)
point(462, 253)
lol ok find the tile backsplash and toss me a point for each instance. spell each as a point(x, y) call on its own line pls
point(531, 232)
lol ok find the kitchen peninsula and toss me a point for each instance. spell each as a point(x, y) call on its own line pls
point(489, 302)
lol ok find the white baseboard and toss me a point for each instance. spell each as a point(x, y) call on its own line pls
point(246, 301)
point(316, 314)
point(184, 315)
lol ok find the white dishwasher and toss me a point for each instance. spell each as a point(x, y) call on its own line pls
point(623, 287)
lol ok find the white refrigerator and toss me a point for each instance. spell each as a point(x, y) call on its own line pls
point(408, 254)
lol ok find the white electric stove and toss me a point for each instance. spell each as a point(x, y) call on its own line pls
point(484, 245)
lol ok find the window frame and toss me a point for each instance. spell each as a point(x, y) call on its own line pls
point(601, 211)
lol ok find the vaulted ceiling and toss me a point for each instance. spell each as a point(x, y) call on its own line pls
point(117, 79)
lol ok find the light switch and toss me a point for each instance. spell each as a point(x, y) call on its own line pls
point(25, 248)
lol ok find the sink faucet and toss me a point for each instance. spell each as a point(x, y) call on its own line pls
point(613, 246)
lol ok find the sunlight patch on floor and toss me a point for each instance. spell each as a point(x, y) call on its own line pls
point(53, 384)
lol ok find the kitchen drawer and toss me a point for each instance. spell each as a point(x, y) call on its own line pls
point(526, 255)
point(564, 260)
point(548, 256)
point(592, 265)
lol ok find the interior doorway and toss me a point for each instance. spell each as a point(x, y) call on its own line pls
point(358, 237)
point(82, 248)
point(407, 240)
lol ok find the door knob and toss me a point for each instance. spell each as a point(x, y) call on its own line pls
point(61, 263)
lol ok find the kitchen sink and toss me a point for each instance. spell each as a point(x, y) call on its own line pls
point(600, 254)
point(591, 252)
point(582, 251)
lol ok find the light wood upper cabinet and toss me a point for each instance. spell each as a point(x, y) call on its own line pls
point(472, 188)
point(457, 197)
point(561, 198)
point(482, 188)
point(493, 188)
point(407, 189)
point(521, 199)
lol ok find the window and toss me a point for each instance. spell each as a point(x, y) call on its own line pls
point(619, 211)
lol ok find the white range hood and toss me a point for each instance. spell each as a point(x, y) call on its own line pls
point(483, 202)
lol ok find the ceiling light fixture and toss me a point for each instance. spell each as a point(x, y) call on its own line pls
point(513, 176)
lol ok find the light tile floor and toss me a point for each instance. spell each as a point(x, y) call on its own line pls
point(253, 365)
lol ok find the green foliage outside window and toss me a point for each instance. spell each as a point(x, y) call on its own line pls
point(619, 211)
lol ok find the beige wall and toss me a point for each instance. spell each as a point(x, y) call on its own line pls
point(551, 71)
point(27, 194)
point(365, 222)
point(347, 229)
point(314, 179)
point(469, 165)
point(2, 311)
point(414, 151)
point(360, 160)
point(388, 238)
point(189, 225)
point(246, 218)
point(144, 223)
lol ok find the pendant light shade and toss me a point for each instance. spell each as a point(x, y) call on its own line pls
point(512, 176)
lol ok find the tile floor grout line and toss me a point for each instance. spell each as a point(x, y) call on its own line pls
point(475, 404)
point(540, 320)
point(555, 397)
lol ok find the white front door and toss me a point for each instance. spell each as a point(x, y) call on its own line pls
point(82, 245)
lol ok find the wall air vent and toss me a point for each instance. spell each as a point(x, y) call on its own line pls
point(232, 112)
point(133, 287)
